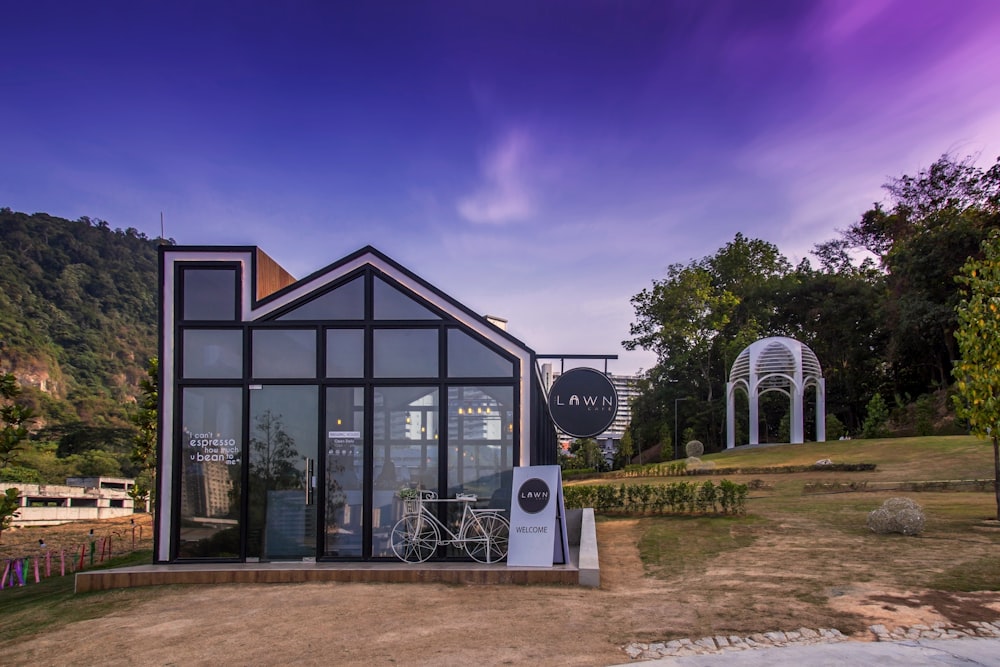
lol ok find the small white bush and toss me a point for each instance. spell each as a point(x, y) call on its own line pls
point(897, 515)
point(694, 463)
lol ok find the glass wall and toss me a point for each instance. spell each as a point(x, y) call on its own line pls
point(362, 369)
point(211, 472)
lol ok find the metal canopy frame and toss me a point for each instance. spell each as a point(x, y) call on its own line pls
point(563, 357)
point(776, 364)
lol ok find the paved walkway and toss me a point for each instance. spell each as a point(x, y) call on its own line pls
point(977, 643)
point(906, 653)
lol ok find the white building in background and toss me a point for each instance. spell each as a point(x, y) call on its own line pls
point(80, 499)
point(627, 387)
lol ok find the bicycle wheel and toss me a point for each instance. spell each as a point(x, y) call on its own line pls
point(414, 539)
point(486, 538)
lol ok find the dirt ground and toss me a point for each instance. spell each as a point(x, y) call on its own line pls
point(787, 579)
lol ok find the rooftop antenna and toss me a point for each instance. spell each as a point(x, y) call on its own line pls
point(162, 235)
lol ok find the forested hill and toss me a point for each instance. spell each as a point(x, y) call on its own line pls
point(77, 314)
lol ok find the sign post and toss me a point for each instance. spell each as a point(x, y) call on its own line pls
point(538, 535)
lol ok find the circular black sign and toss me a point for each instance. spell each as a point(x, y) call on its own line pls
point(583, 402)
point(533, 495)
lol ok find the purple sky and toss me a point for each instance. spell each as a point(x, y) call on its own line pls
point(539, 161)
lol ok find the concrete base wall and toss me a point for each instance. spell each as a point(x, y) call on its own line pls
point(581, 529)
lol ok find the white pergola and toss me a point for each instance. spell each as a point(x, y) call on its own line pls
point(776, 364)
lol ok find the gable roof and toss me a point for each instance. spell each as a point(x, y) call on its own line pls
point(416, 287)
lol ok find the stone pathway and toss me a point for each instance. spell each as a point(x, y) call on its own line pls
point(803, 636)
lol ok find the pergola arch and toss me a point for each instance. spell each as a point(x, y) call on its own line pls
point(776, 364)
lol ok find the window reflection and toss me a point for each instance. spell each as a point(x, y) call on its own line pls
point(391, 304)
point(284, 353)
point(405, 449)
point(405, 353)
point(345, 471)
point(211, 470)
point(346, 302)
point(281, 522)
point(345, 353)
point(212, 353)
point(481, 442)
point(209, 294)
point(467, 357)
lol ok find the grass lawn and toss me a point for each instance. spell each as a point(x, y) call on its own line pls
point(51, 603)
point(796, 559)
point(802, 549)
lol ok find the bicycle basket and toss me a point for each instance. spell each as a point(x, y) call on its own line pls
point(412, 505)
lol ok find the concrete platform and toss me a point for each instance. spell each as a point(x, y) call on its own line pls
point(582, 569)
point(297, 572)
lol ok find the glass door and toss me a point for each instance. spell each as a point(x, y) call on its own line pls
point(281, 517)
point(345, 472)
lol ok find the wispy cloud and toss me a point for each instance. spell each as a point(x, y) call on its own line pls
point(503, 196)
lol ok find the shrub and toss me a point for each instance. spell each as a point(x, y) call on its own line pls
point(834, 427)
point(679, 498)
point(874, 425)
point(897, 515)
point(707, 497)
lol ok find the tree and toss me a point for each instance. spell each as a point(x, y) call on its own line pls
point(977, 372)
point(934, 221)
point(876, 419)
point(145, 441)
point(272, 468)
point(14, 420)
point(697, 320)
point(837, 311)
point(586, 453)
point(273, 454)
point(626, 449)
point(8, 508)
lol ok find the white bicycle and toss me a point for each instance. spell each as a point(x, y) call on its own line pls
point(482, 533)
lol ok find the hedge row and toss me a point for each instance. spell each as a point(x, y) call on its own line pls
point(679, 469)
point(681, 498)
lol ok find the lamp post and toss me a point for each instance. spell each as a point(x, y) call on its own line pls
point(676, 435)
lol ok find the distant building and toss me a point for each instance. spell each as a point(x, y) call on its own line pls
point(80, 499)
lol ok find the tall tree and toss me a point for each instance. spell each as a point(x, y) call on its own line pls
point(625, 449)
point(697, 320)
point(977, 373)
point(837, 311)
point(145, 441)
point(934, 221)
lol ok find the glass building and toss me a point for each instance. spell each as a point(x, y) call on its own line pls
point(292, 412)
